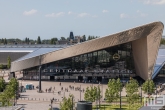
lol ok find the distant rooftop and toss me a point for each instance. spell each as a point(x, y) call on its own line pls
point(33, 46)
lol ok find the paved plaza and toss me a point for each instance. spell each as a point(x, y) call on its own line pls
point(33, 100)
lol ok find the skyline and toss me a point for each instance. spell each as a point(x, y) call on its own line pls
point(31, 19)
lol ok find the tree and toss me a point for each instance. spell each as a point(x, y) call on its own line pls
point(67, 103)
point(92, 94)
point(9, 92)
point(63, 38)
point(112, 92)
point(38, 40)
point(2, 41)
point(5, 41)
point(84, 38)
point(148, 86)
point(8, 62)
point(1, 66)
point(53, 40)
point(2, 84)
point(162, 41)
point(89, 37)
point(26, 40)
point(132, 92)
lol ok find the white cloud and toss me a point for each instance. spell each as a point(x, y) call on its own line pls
point(141, 13)
point(105, 11)
point(31, 12)
point(123, 15)
point(55, 14)
point(83, 14)
point(154, 2)
point(69, 13)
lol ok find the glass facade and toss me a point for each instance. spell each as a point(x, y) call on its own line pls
point(162, 72)
point(110, 62)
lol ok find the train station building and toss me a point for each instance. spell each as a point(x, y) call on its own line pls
point(126, 54)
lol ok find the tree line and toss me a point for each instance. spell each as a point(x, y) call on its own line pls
point(8, 64)
point(8, 91)
point(162, 41)
point(112, 93)
point(53, 40)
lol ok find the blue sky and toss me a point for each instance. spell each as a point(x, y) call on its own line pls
point(56, 18)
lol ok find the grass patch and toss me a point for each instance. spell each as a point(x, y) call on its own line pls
point(113, 107)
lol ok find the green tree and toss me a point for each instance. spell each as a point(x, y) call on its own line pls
point(148, 86)
point(2, 41)
point(8, 62)
point(38, 40)
point(53, 40)
point(89, 37)
point(67, 103)
point(63, 38)
point(1, 66)
point(9, 92)
point(5, 41)
point(162, 41)
point(112, 92)
point(2, 84)
point(26, 40)
point(84, 38)
point(132, 92)
point(92, 94)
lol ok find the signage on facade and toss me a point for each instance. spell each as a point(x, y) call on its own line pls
point(116, 56)
point(84, 71)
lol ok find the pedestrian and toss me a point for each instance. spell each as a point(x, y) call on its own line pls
point(46, 90)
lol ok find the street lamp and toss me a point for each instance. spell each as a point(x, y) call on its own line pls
point(72, 102)
point(40, 67)
point(80, 92)
point(120, 94)
point(141, 91)
point(99, 96)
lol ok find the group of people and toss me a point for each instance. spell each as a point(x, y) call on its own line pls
point(76, 88)
point(49, 90)
point(65, 89)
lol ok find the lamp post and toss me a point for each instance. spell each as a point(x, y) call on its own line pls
point(120, 95)
point(141, 91)
point(40, 74)
point(80, 92)
point(99, 96)
point(156, 90)
point(72, 102)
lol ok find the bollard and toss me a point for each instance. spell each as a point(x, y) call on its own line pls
point(39, 98)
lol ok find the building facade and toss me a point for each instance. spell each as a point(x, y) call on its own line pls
point(122, 55)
